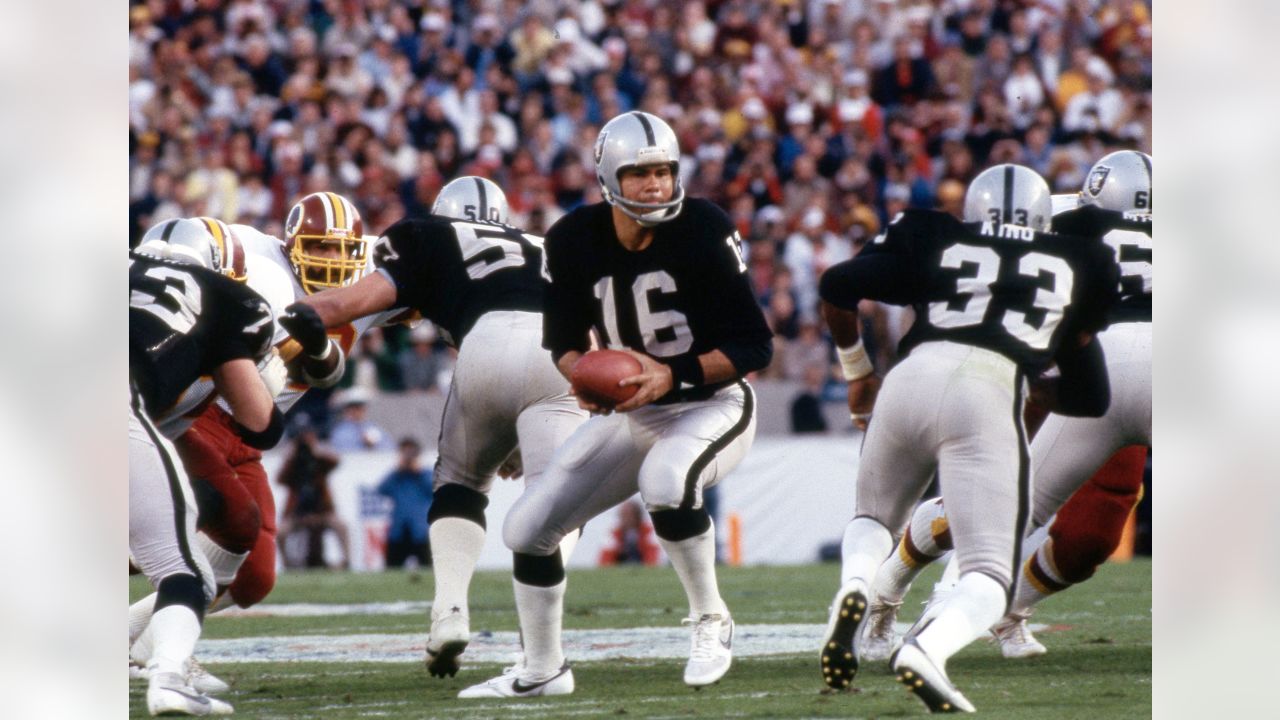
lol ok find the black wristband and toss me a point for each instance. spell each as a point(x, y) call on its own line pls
point(266, 439)
point(686, 369)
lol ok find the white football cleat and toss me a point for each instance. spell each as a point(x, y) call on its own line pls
point(203, 680)
point(169, 694)
point(1015, 638)
point(880, 640)
point(449, 636)
point(840, 645)
point(516, 682)
point(710, 650)
point(137, 672)
point(914, 669)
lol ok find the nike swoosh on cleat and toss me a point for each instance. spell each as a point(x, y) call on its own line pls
point(519, 687)
point(728, 644)
point(197, 698)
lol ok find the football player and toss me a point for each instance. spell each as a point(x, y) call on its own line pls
point(1114, 204)
point(997, 300)
point(482, 282)
point(188, 317)
point(660, 277)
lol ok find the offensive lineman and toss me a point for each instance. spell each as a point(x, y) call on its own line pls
point(1114, 204)
point(482, 282)
point(997, 299)
point(187, 318)
point(660, 277)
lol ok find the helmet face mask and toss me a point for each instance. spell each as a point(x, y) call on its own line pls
point(472, 198)
point(325, 241)
point(632, 140)
point(1120, 181)
point(203, 241)
point(1011, 195)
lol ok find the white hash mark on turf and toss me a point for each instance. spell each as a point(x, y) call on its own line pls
point(500, 647)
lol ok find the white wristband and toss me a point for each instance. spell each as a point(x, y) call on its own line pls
point(328, 350)
point(854, 362)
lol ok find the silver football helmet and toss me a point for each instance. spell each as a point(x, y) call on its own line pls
point(472, 198)
point(1011, 195)
point(635, 139)
point(202, 241)
point(1119, 181)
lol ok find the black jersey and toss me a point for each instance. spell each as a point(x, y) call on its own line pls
point(1129, 234)
point(454, 271)
point(1000, 287)
point(686, 293)
point(185, 321)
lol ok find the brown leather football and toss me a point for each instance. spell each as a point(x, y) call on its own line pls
point(596, 375)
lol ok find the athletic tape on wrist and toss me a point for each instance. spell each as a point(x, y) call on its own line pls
point(854, 362)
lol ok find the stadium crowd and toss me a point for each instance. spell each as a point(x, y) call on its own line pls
point(811, 122)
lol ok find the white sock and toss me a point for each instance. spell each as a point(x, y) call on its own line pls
point(950, 573)
point(567, 545)
point(225, 563)
point(865, 545)
point(974, 606)
point(695, 562)
point(455, 549)
point(540, 610)
point(175, 629)
point(1032, 588)
point(140, 616)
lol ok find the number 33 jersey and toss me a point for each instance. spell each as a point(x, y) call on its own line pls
point(185, 321)
point(1001, 287)
point(454, 271)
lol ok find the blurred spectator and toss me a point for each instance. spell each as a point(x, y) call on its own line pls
point(631, 542)
point(806, 406)
point(409, 487)
point(355, 431)
point(421, 364)
point(310, 506)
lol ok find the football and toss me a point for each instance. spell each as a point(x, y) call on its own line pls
point(596, 375)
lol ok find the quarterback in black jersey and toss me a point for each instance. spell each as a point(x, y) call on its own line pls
point(658, 276)
point(187, 318)
point(997, 300)
point(482, 283)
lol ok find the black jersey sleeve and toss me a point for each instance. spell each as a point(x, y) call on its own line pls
point(403, 254)
point(246, 324)
point(885, 270)
point(567, 302)
point(1084, 390)
point(739, 328)
point(1094, 298)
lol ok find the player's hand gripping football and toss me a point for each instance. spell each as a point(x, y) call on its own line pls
point(304, 324)
point(862, 399)
point(653, 382)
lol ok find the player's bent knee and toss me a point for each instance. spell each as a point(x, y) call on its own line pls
point(182, 589)
point(237, 529)
point(1122, 474)
point(538, 570)
point(680, 524)
point(253, 583)
point(460, 501)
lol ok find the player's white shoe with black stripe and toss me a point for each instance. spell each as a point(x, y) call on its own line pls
point(914, 669)
point(880, 640)
point(710, 651)
point(517, 682)
point(169, 694)
point(839, 654)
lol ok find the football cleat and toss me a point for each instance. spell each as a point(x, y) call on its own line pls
point(169, 694)
point(710, 650)
point(450, 634)
point(839, 654)
point(913, 668)
point(1015, 638)
point(203, 680)
point(879, 641)
point(516, 682)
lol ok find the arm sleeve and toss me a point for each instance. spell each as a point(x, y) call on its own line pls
point(403, 255)
point(742, 333)
point(876, 276)
point(1084, 389)
point(247, 325)
point(566, 313)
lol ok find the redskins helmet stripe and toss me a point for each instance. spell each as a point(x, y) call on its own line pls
point(202, 241)
point(230, 251)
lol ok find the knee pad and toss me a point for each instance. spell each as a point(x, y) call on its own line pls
point(1087, 530)
point(1122, 474)
point(257, 576)
point(182, 589)
point(538, 570)
point(453, 500)
point(677, 525)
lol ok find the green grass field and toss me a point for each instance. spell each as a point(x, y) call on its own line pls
point(1098, 666)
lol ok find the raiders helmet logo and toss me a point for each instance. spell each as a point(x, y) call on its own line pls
point(600, 146)
point(1097, 179)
